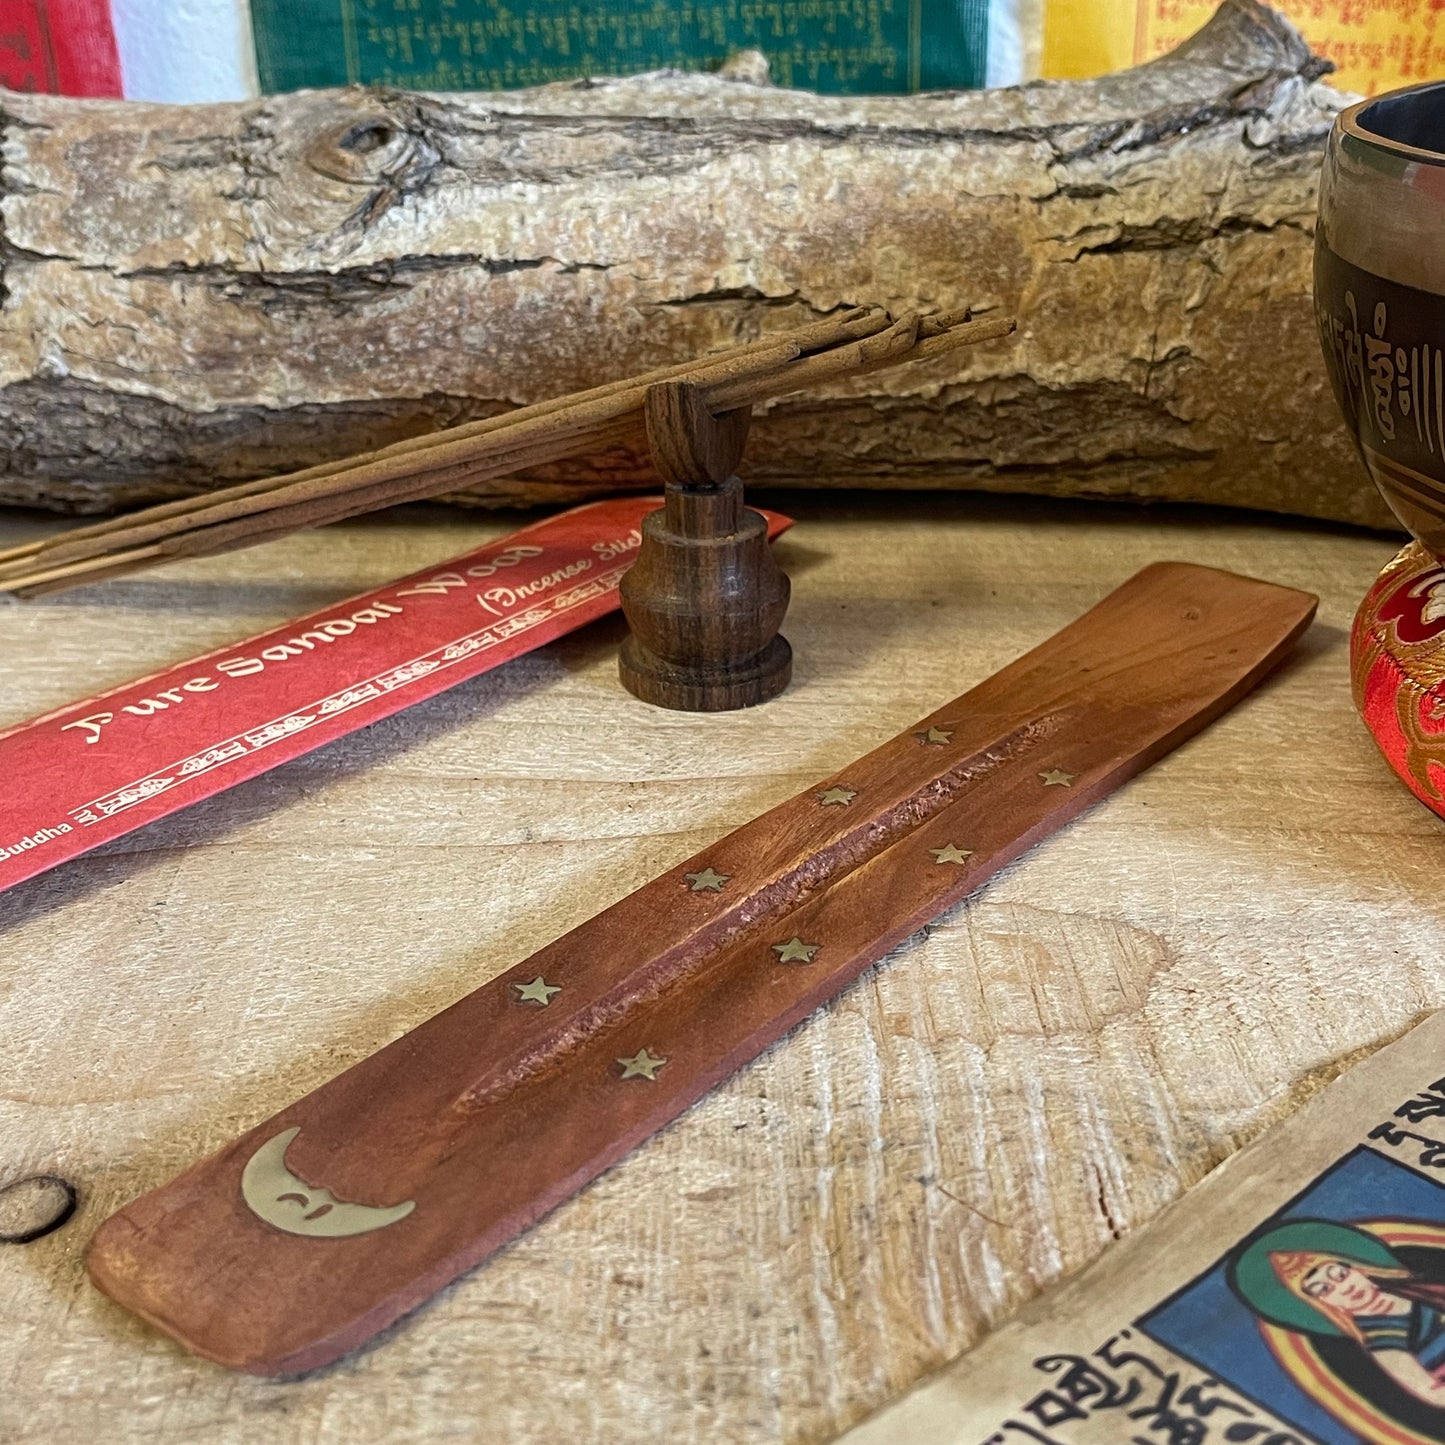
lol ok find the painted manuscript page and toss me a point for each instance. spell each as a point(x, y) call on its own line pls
point(1296, 1297)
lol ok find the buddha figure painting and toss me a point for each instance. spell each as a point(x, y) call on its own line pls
point(1331, 1314)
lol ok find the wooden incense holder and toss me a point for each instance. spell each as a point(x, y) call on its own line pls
point(323, 1224)
point(705, 598)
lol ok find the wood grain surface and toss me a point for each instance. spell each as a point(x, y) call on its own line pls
point(1040, 1071)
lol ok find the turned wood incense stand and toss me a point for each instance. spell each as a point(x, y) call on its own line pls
point(321, 1225)
point(705, 597)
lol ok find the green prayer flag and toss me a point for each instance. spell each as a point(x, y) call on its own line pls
point(839, 46)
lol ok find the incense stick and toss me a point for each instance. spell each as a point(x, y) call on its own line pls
point(853, 343)
point(858, 322)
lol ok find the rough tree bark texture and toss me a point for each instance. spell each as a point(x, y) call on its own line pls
point(197, 295)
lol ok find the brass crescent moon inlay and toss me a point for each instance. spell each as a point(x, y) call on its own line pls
point(275, 1194)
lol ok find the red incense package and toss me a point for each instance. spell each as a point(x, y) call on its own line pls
point(109, 764)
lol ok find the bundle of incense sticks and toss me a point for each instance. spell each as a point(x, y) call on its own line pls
point(860, 340)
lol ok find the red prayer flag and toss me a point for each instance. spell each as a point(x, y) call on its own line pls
point(59, 47)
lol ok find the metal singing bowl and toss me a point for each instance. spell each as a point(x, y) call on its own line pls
point(1380, 295)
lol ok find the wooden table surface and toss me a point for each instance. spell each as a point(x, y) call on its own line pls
point(1043, 1070)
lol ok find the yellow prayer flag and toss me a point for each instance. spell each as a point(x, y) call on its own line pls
point(1376, 45)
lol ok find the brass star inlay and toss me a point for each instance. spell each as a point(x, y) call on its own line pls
point(795, 950)
point(641, 1065)
point(707, 881)
point(951, 854)
point(935, 735)
point(1057, 778)
point(837, 797)
point(538, 991)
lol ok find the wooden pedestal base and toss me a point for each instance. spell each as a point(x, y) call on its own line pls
point(705, 598)
point(685, 689)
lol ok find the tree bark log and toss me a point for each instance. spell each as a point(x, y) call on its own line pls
point(191, 296)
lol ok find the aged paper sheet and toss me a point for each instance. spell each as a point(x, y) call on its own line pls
point(1296, 1297)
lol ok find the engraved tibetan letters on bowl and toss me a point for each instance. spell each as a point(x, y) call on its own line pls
point(1380, 295)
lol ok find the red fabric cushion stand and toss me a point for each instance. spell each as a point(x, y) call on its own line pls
point(1397, 665)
